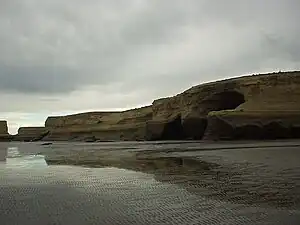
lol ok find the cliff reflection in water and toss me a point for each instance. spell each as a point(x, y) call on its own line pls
point(3, 155)
point(237, 183)
point(13, 156)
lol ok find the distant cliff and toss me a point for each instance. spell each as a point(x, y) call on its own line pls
point(4, 136)
point(265, 106)
point(105, 126)
point(31, 133)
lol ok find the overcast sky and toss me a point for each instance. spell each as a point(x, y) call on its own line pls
point(66, 56)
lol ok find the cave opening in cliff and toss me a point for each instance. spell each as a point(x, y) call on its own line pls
point(173, 130)
point(224, 101)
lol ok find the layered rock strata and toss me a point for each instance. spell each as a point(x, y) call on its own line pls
point(102, 126)
point(267, 95)
point(263, 106)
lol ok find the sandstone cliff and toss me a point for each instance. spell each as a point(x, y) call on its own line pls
point(103, 126)
point(266, 94)
point(31, 134)
point(265, 106)
point(4, 136)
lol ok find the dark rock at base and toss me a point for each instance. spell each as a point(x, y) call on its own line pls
point(253, 125)
point(6, 138)
point(97, 135)
point(48, 143)
point(106, 141)
point(41, 136)
point(90, 139)
point(270, 131)
point(295, 131)
point(194, 128)
point(248, 132)
point(31, 134)
point(275, 130)
point(164, 130)
point(218, 129)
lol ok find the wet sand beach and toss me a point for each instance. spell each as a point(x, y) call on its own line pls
point(150, 183)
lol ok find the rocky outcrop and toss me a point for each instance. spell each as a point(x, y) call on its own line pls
point(31, 134)
point(4, 135)
point(239, 125)
point(263, 106)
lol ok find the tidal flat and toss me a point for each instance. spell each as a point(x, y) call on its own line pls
point(150, 183)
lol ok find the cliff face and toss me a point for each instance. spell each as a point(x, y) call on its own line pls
point(265, 94)
point(31, 133)
point(275, 91)
point(104, 126)
point(236, 125)
point(4, 136)
point(249, 107)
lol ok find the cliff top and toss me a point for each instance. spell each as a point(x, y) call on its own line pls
point(104, 113)
point(240, 79)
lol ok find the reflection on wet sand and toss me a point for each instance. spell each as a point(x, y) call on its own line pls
point(189, 187)
point(236, 183)
point(3, 155)
point(14, 158)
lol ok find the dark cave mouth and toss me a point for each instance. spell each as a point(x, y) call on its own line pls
point(225, 100)
point(194, 128)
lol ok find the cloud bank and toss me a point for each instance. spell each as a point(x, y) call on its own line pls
point(63, 56)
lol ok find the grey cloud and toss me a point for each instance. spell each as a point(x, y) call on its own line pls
point(37, 79)
point(56, 47)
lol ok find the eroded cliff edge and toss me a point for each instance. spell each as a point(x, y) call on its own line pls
point(265, 106)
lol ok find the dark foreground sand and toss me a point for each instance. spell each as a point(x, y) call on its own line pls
point(150, 183)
